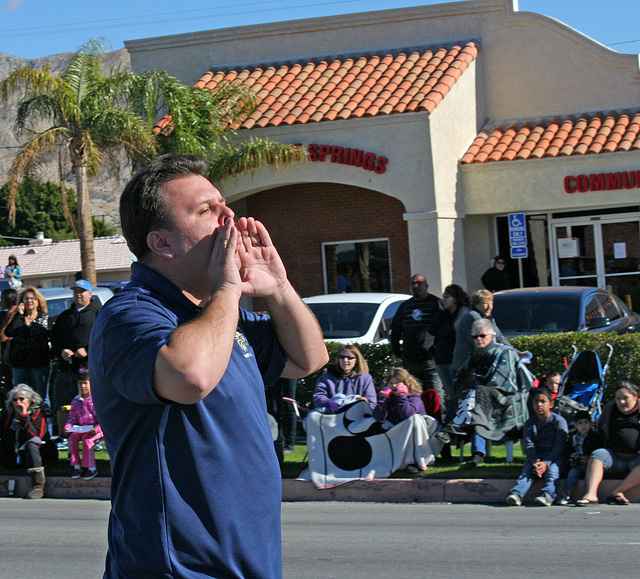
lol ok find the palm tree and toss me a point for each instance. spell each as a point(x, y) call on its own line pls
point(91, 119)
point(79, 116)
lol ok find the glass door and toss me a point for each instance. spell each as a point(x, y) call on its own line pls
point(600, 252)
point(621, 257)
point(577, 254)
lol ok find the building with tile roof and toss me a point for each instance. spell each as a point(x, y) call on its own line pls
point(46, 264)
point(425, 129)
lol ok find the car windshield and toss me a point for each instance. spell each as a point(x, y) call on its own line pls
point(543, 313)
point(344, 319)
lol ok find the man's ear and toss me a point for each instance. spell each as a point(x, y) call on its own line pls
point(158, 243)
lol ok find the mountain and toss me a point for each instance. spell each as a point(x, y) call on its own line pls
point(104, 190)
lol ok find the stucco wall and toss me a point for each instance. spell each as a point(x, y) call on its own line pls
point(513, 186)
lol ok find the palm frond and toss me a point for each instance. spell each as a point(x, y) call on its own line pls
point(35, 109)
point(28, 155)
point(253, 154)
point(29, 82)
point(83, 70)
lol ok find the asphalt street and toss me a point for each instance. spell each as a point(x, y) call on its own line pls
point(67, 539)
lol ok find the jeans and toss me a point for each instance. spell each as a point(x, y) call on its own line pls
point(30, 455)
point(551, 479)
point(37, 378)
point(478, 444)
point(575, 474)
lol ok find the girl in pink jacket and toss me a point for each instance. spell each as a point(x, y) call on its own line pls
point(82, 425)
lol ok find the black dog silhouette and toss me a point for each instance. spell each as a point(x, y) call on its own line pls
point(353, 452)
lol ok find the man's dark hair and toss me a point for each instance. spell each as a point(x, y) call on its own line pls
point(8, 297)
point(142, 208)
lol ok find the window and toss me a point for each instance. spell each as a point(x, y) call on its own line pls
point(591, 310)
point(609, 306)
point(357, 266)
point(385, 322)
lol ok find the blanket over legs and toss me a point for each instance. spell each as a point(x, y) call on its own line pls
point(493, 387)
point(351, 445)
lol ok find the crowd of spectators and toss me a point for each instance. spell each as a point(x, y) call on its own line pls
point(29, 343)
point(452, 349)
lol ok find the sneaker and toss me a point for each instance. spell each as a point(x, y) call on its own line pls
point(513, 500)
point(543, 501)
point(289, 448)
point(412, 468)
point(90, 473)
point(476, 459)
point(77, 473)
point(63, 445)
point(565, 500)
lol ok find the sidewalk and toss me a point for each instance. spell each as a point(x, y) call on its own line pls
point(380, 490)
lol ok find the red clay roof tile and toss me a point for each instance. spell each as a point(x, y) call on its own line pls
point(589, 133)
point(351, 86)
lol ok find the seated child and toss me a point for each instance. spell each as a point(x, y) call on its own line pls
point(551, 381)
point(581, 444)
point(545, 438)
point(400, 398)
point(82, 425)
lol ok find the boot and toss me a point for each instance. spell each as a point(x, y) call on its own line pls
point(37, 482)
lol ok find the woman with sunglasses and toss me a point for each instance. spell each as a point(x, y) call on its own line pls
point(493, 386)
point(349, 375)
point(23, 432)
point(29, 353)
point(496, 278)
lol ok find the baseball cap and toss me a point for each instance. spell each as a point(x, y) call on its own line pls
point(82, 284)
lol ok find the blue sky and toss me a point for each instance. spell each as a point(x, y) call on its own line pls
point(34, 28)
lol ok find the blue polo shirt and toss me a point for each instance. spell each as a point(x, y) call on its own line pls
point(195, 489)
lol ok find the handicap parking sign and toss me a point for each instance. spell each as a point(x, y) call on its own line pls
point(518, 235)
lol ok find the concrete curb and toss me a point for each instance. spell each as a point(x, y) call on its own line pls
point(380, 490)
point(428, 491)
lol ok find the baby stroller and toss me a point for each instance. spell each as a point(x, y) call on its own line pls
point(583, 384)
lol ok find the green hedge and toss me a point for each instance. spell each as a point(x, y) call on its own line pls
point(549, 352)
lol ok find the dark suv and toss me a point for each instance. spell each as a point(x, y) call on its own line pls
point(548, 310)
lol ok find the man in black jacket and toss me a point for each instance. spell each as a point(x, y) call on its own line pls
point(70, 341)
point(410, 325)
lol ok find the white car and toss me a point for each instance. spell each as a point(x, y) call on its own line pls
point(357, 318)
point(61, 298)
